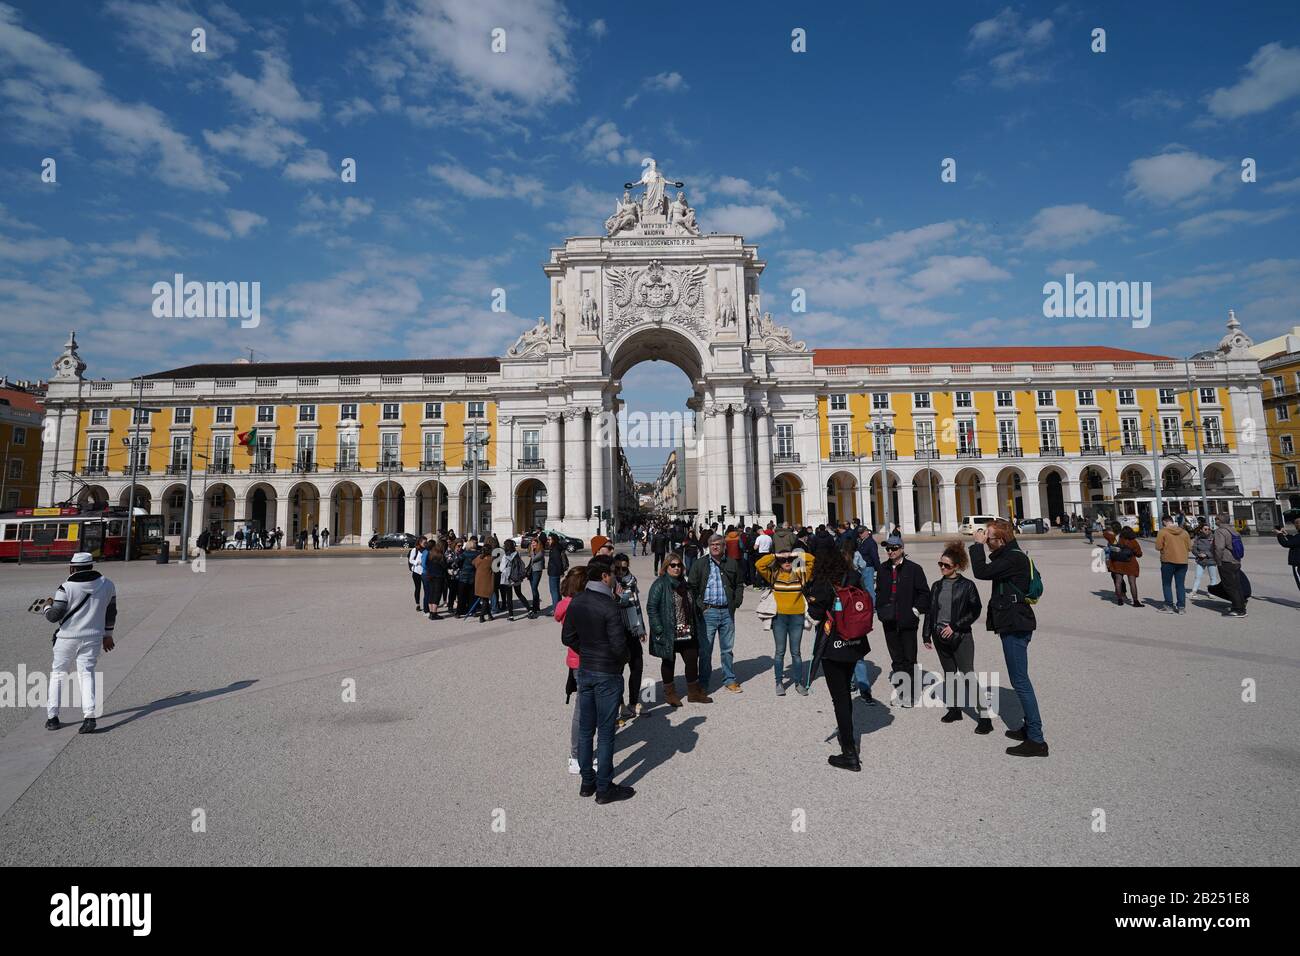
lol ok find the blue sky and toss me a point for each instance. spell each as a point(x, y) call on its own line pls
point(1123, 165)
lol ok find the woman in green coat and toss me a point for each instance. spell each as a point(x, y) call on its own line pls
point(674, 630)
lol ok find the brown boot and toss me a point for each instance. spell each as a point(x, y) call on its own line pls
point(670, 694)
point(695, 693)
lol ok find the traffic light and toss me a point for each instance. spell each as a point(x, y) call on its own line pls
point(722, 514)
point(595, 512)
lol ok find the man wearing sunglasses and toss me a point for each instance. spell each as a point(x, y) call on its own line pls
point(717, 589)
point(901, 591)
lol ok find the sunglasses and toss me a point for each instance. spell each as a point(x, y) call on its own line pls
point(892, 550)
point(674, 564)
point(946, 564)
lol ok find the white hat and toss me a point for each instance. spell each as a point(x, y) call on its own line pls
point(82, 557)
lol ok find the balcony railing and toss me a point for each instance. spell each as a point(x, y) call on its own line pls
point(220, 468)
point(349, 467)
point(790, 458)
point(262, 468)
point(1011, 451)
point(888, 454)
point(178, 468)
point(843, 456)
point(304, 467)
point(1051, 451)
point(139, 470)
point(91, 470)
point(969, 453)
point(1174, 448)
point(1132, 449)
point(390, 465)
point(433, 464)
point(468, 465)
point(926, 454)
point(531, 464)
point(1092, 451)
point(1215, 448)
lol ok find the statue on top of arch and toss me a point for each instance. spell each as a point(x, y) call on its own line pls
point(653, 207)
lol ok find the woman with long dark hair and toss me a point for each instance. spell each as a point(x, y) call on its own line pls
point(837, 653)
point(674, 630)
point(955, 606)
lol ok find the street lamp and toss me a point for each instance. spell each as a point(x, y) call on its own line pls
point(882, 434)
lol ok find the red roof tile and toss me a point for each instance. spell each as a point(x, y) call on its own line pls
point(983, 356)
point(16, 398)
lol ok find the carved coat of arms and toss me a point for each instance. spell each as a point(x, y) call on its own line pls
point(657, 294)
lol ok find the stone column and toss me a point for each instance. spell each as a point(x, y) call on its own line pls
point(1029, 497)
point(551, 451)
point(740, 468)
point(599, 462)
point(282, 514)
point(713, 463)
point(906, 517)
point(763, 424)
point(950, 516)
point(575, 467)
point(989, 497)
point(367, 503)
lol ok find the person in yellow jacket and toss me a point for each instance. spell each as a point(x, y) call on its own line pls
point(787, 572)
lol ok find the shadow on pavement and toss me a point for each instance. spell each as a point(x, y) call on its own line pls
point(165, 703)
point(659, 742)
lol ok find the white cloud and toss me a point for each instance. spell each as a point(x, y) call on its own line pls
point(452, 38)
point(353, 109)
point(59, 97)
point(274, 93)
point(600, 141)
point(1153, 103)
point(1223, 220)
point(1078, 266)
point(1272, 76)
point(659, 83)
point(748, 221)
point(311, 166)
point(1172, 176)
point(1059, 227)
point(162, 32)
point(321, 215)
point(1286, 186)
point(242, 221)
point(263, 142)
point(598, 29)
point(1017, 48)
point(496, 184)
point(33, 250)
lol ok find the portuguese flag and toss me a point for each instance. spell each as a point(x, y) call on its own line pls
point(248, 440)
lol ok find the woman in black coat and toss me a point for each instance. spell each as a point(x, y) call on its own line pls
point(557, 562)
point(954, 607)
point(837, 655)
point(435, 579)
point(1012, 619)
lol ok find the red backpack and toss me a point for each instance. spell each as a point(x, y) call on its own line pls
point(854, 618)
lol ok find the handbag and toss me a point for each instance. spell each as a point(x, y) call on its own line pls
point(766, 609)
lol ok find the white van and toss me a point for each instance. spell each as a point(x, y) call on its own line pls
point(971, 522)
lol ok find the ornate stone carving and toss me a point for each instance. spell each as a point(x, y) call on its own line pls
point(726, 310)
point(654, 181)
point(533, 341)
point(590, 315)
point(557, 321)
point(1236, 344)
point(69, 366)
point(776, 338)
point(682, 216)
point(627, 213)
point(657, 294)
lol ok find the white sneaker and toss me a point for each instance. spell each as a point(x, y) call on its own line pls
point(573, 766)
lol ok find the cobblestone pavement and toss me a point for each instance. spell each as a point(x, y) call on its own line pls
point(225, 696)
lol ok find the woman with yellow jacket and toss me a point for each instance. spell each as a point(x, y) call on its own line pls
point(787, 573)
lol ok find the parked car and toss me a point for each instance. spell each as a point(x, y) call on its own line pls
point(394, 539)
point(1033, 526)
point(571, 544)
point(971, 522)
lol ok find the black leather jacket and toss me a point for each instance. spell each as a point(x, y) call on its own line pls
point(966, 607)
point(1008, 569)
point(594, 627)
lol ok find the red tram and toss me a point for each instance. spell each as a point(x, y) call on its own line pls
point(50, 534)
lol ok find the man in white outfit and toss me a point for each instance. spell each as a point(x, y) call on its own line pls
point(85, 608)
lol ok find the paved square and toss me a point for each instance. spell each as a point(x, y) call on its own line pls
point(225, 695)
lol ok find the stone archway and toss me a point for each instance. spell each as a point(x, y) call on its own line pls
point(787, 499)
point(927, 502)
point(260, 507)
point(92, 498)
point(345, 513)
point(1011, 502)
point(389, 507)
point(841, 497)
point(143, 499)
point(304, 510)
point(969, 485)
point(531, 505)
point(218, 509)
point(173, 510)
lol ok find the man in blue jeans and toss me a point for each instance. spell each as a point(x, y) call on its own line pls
point(594, 627)
point(870, 553)
point(717, 588)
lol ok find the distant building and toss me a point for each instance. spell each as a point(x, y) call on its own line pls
point(1279, 364)
point(21, 414)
